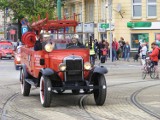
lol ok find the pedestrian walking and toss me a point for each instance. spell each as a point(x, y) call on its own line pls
point(104, 54)
point(126, 50)
point(137, 55)
point(121, 45)
point(114, 49)
point(99, 49)
point(143, 52)
point(91, 46)
point(96, 48)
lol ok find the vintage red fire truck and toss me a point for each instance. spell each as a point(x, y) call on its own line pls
point(56, 67)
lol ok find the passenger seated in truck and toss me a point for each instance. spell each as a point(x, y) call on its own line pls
point(75, 42)
point(38, 44)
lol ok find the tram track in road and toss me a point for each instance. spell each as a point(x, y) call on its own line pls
point(4, 115)
point(125, 83)
point(83, 106)
point(4, 110)
point(141, 106)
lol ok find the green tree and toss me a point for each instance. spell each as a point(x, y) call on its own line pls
point(29, 9)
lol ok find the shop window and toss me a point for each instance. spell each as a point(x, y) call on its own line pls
point(103, 36)
point(136, 8)
point(66, 12)
point(72, 9)
point(137, 38)
point(157, 38)
point(80, 13)
point(89, 14)
point(103, 10)
point(151, 8)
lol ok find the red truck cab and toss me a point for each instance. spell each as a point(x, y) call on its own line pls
point(6, 49)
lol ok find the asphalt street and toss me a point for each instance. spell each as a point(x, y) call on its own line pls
point(129, 97)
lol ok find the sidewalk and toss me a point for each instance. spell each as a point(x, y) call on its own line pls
point(119, 62)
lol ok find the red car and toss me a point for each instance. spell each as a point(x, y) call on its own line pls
point(17, 58)
point(6, 49)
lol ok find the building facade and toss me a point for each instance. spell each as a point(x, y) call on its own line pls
point(134, 20)
point(8, 30)
point(1, 24)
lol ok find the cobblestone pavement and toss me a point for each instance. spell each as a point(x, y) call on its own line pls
point(128, 97)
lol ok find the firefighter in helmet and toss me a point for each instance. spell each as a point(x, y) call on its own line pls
point(75, 42)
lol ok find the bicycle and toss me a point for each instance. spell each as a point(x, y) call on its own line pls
point(148, 69)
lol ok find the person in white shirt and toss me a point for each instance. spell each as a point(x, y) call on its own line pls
point(143, 53)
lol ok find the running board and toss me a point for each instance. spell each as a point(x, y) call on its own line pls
point(30, 81)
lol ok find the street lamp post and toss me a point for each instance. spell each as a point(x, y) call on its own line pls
point(4, 23)
point(110, 22)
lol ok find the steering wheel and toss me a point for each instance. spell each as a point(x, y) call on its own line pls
point(72, 46)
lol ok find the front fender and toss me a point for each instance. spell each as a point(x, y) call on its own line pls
point(100, 70)
point(47, 71)
point(97, 70)
point(24, 67)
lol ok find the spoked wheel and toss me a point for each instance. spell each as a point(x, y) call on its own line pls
point(100, 94)
point(152, 73)
point(45, 91)
point(25, 86)
point(144, 73)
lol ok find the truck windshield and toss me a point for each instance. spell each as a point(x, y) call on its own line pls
point(61, 41)
point(60, 46)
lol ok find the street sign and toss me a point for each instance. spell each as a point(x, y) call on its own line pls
point(24, 29)
point(24, 21)
point(105, 26)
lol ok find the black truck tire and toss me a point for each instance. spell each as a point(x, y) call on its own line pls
point(100, 94)
point(45, 91)
point(25, 86)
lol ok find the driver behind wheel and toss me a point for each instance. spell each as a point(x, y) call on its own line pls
point(75, 42)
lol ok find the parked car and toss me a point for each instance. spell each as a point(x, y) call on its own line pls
point(6, 49)
point(17, 58)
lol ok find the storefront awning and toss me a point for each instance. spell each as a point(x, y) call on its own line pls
point(139, 24)
point(144, 25)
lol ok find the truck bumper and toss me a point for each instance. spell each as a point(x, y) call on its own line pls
point(78, 87)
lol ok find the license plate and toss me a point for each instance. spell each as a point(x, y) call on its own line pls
point(9, 56)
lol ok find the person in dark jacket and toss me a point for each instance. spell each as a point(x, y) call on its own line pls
point(126, 51)
point(38, 44)
point(75, 42)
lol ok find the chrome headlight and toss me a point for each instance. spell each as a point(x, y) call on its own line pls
point(87, 66)
point(48, 47)
point(62, 67)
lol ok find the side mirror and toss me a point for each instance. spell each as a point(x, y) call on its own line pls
point(42, 62)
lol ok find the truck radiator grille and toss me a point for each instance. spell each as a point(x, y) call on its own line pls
point(74, 70)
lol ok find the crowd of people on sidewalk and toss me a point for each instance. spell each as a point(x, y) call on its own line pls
point(101, 50)
point(121, 49)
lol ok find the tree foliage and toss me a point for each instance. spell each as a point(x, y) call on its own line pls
point(30, 8)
